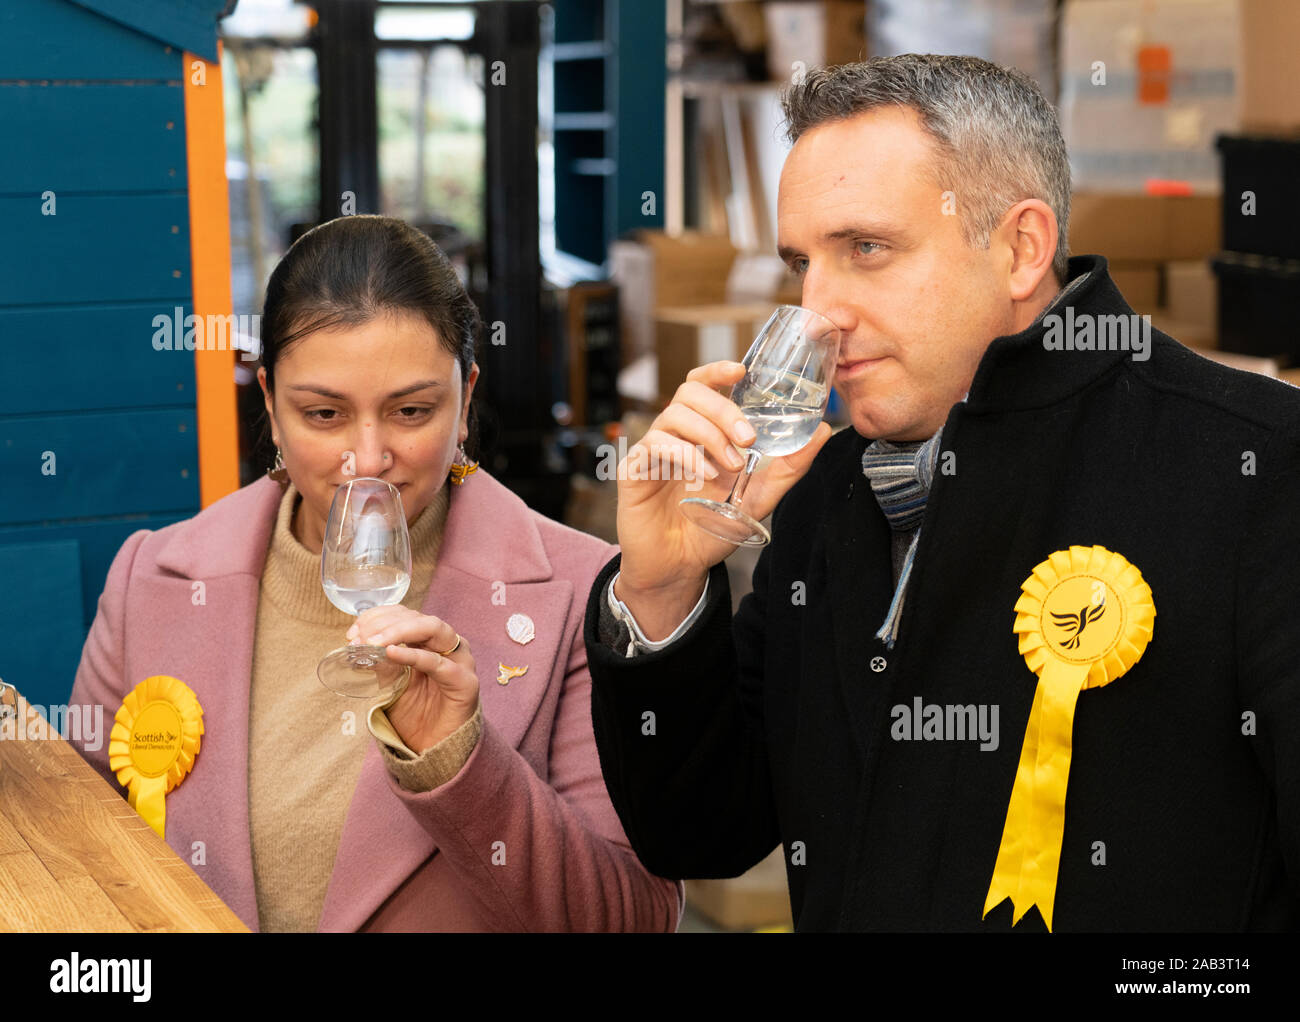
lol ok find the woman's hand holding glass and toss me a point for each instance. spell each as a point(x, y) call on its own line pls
point(365, 562)
point(442, 691)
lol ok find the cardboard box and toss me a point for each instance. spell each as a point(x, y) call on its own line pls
point(654, 270)
point(1268, 88)
point(1194, 335)
point(762, 277)
point(691, 336)
point(1192, 294)
point(1249, 363)
point(1146, 85)
point(1009, 33)
point(1145, 228)
point(1177, 74)
point(759, 898)
point(1139, 283)
point(817, 33)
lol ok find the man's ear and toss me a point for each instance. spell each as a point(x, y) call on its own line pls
point(1030, 233)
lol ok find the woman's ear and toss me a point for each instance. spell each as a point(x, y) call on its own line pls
point(270, 403)
point(467, 395)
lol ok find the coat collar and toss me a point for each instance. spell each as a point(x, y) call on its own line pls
point(472, 540)
point(1017, 372)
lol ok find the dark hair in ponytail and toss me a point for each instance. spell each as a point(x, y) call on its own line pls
point(347, 271)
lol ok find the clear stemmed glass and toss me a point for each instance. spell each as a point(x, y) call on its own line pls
point(365, 562)
point(788, 373)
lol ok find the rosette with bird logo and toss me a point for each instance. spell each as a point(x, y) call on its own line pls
point(1084, 617)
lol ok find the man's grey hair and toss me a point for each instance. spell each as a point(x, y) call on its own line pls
point(996, 136)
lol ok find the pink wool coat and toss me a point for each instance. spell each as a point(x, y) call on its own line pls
point(531, 793)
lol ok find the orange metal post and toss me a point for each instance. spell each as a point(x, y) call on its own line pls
point(214, 371)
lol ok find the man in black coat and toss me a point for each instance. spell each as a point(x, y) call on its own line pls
point(867, 706)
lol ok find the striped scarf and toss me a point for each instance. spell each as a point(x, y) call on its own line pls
point(900, 477)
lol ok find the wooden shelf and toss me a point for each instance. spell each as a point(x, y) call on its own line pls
point(594, 167)
point(593, 121)
point(698, 88)
point(595, 50)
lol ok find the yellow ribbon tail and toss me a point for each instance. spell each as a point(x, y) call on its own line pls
point(147, 796)
point(1011, 850)
point(1060, 685)
point(1029, 855)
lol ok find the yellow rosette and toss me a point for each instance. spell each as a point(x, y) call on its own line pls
point(155, 738)
point(1084, 617)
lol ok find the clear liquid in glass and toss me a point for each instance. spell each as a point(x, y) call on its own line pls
point(784, 408)
point(353, 590)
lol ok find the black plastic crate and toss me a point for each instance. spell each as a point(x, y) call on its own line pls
point(1259, 305)
point(1270, 168)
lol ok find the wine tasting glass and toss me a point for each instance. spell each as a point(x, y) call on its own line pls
point(365, 562)
point(788, 374)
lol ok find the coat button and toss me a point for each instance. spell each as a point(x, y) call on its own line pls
point(878, 664)
point(849, 495)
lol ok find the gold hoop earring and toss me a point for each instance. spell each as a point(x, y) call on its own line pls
point(277, 471)
point(462, 467)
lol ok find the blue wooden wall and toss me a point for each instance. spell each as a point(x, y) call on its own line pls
point(97, 428)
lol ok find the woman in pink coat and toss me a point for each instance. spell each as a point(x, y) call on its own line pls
point(473, 802)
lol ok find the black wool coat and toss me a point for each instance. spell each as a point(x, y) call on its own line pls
point(1183, 808)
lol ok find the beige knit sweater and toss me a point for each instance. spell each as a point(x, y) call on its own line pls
point(306, 744)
